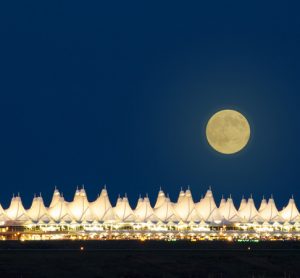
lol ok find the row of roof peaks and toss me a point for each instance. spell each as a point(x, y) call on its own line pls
point(80, 210)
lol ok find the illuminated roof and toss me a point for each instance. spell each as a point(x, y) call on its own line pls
point(185, 210)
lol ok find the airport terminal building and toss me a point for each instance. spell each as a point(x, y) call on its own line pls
point(166, 220)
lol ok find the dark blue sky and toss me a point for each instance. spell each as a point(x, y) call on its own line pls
point(120, 95)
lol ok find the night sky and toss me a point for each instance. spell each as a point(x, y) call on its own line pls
point(120, 94)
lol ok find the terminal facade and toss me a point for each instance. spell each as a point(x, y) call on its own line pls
point(166, 220)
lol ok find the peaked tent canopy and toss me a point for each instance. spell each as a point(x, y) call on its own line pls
point(249, 212)
point(166, 212)
point(290, 213)
point(16, 211)
point(144, 212)
point(80, 207)
point(242, 204)
point(207, 209)
point(58, 209)
point(38, 211)
point(270, 212)
point(160, 199)
point(229, 212)
point(123, 211)
point(186, 209)
point(102, 209)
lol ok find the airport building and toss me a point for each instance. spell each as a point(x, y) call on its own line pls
point(166, 220)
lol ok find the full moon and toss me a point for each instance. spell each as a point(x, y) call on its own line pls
point(228, 131)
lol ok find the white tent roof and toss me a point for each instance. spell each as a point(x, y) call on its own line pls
point(185, 209)
point(55, 198)
point(242, 204)
point(222, 203)
point(58, 209)
point(16, 211)
point(207, 208)
point(180, 196)
point(166, 212)
point(3, 216)
point(270, 212)
point(80, 207)
point(139, 202)
point(38, 212)
point(123, 211)
point(263, 205)
point(290, 213)
point(229, 212)
point(143, 211)
point(102, 209)
point(249, 212)
point(160, 199)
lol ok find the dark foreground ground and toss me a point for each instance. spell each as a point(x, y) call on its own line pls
point(149, 259)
